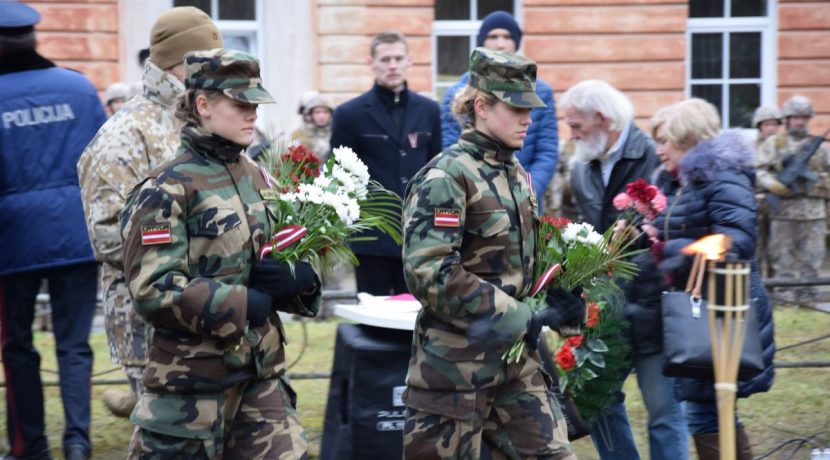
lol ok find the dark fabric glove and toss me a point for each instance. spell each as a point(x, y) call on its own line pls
point(259, 305)
point(275, 279)
point(564, 308)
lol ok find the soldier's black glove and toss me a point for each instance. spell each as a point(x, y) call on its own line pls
point(259, 305)
point(275, 279)
point(564, 308)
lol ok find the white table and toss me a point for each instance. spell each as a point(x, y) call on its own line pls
point(381, 311)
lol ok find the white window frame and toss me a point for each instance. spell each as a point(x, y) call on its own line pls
point(765, 25)
point(460, 28)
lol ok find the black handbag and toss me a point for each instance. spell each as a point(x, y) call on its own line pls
point(687, 345)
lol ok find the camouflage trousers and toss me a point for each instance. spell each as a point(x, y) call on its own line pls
point(796, 250)
point(250, 420)
point(517, 420)
point(126, 330)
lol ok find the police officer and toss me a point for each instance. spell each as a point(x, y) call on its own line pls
point(192, 234)
point(798, 226)
point(130, 144)
point(47, 116)
point(469, 245)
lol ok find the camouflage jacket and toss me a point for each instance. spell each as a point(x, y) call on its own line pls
point(770, 161)
point(314, 139)
point(191, 232)
point(469, 244)
point(139, 137)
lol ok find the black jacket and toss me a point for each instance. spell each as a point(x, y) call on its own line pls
point(594, 201)
point(717, 196)
point(392, 153)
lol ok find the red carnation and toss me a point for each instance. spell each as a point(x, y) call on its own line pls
point(593, 314)
point(565, 358)
point(576, 341)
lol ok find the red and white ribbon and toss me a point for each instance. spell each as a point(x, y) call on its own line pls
point(287, 236)
point(545, 279)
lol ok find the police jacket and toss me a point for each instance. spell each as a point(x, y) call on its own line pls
point(714, 193)
point(192, 231)
point(469, 254)
point(392, 153)
point(540, 152)
point(47, 116)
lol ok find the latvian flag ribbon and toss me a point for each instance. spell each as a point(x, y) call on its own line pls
point(155, 234)
point(287, 236)
point(447, 218)
point(545, 279)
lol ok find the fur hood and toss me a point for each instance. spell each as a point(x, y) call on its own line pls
point(730, 149)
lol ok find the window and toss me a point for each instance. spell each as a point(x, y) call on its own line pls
point(731, 56)
point(454, 36)
point(236, 19)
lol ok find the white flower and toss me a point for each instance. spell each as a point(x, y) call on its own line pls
point(582, 233)
point(347, 159)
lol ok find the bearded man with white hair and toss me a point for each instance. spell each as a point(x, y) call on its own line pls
point(611, 152)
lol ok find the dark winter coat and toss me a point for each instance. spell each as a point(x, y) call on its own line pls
point(714, 193)
point(366, 124)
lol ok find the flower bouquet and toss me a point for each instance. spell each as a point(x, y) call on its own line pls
point(572, 255)
point(590, 364)
point(319, 209)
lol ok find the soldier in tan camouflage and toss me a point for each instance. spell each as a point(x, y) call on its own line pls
point(214, 385)
point(135, 140)
point(798, 225)
point(315, 132)
point(469, 253)
point(767, 120)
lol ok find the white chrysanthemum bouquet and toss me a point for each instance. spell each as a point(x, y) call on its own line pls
point(319, 209)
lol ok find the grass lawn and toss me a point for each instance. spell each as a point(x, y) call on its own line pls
point(797, 406)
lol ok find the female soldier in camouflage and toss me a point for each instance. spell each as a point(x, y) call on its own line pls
point(192, 232)
point(469, 245)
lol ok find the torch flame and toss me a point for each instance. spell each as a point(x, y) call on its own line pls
point(713, 247)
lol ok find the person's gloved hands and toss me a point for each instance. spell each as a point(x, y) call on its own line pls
point(779, 189)
point(564, 308)
point(275, 279)
point(259, 305)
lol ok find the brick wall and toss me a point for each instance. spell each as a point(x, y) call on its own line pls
point(636, 45)
point(345, 29)
point(804, 55)
point(81, 35)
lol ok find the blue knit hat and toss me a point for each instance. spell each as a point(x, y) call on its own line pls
point(499, 20)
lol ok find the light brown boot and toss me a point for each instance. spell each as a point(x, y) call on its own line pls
point(120, 403)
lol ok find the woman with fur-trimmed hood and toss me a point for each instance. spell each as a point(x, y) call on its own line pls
point(708, 177)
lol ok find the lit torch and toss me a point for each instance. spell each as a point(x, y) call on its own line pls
point(728, 305)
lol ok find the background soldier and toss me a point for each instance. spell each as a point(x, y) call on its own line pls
point(315, 132)
point(192, 234)
point(767, 120)
point(139, 137)
point(798, 223)
point(469, 250)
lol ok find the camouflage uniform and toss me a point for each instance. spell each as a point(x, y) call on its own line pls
point(469, 244)
point(798, 227)
point(314, 138)
point(213, 386)
point(558, 198)
point(139, 137)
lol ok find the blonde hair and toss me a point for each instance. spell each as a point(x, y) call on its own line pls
point(463, 104)
point(660, 116)
point(186, 104)
point(690, 122)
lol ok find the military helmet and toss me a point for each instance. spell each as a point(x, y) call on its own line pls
point(509, 77)
point(318, 100)
point(797, 106)
point(117, 90)
point(765, 113)
point(233, 73)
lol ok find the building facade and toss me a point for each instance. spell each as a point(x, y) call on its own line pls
point(735, 53)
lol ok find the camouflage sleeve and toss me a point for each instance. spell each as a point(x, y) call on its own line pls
point(433, 266)
point(163, 291)
point(764, 164)
point(105, 177)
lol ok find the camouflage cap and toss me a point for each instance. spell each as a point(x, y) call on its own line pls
point(510, 77)
point(234, 73)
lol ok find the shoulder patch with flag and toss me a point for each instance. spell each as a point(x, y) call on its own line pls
point(447, 218)
point(155, 234)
